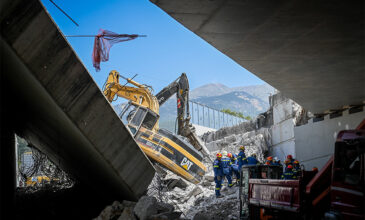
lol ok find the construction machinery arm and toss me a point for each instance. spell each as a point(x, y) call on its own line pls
point(180, 87)
point(139, 95)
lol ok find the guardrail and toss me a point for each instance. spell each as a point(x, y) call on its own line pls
point(209, 117)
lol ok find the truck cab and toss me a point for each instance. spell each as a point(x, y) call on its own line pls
point(335, 192)
point(348, 181)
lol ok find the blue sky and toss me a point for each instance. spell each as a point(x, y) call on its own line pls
point(168, 50)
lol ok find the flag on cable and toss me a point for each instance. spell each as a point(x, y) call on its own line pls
point(104, 41)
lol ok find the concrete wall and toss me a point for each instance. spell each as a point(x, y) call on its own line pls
point(282, 131)
point(314, 142)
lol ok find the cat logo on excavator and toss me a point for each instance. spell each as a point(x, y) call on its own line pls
point(185, 163)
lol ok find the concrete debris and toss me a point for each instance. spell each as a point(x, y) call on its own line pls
point(166, 216)
point(199, 201)
point(127, 214)
point(196, 191)
point(209, 178)
point(146, 206)
point(164, 207)
point(172, 183)
point(201, 198)
point(111, 212)
point(203, 216)
point(255, 141)
point(128, 203)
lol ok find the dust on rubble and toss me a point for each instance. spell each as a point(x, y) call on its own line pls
point(199, 201)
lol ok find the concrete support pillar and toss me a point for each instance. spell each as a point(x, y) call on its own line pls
point(7, 172)
point(7, 148)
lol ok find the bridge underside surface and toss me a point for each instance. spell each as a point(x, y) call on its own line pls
point(312, 51)
point(49, 98)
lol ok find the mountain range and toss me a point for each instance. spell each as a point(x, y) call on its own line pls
point(249, 100)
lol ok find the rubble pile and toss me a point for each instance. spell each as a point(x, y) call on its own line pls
point(199, 201)
point(196, 201)
point(147, 208)
point(256, 140)
point(171, 197)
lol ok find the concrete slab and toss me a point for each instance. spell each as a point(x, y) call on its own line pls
point(312, 51)
point(57, 106)
point(282, 132)
point(283, 111)
point(283, 149)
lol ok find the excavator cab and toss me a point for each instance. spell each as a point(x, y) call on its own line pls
point(136, 116)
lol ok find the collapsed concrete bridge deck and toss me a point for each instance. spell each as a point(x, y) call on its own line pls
point(49, 98)
point(312, 51)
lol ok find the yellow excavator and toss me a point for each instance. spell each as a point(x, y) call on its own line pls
point(141, 116)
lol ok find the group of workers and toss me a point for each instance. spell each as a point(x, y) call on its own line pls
point(292, 167)
point(227, 165)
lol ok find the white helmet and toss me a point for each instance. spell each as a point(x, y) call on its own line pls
point(224, 153)
point(276, 158)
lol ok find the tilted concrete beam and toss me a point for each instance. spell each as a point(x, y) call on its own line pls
point(58, 107)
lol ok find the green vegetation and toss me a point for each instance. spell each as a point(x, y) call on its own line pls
point(237, 114)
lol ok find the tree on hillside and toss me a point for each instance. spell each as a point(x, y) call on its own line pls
point(236, 114)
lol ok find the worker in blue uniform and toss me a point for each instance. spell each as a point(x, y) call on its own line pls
point(296, 169)
point(289, 174)
point(218, 174)
point(226, 165)
point(251, 160)
point(290, 159)
point(276, 162)
point(241, 158)
point(234, 166)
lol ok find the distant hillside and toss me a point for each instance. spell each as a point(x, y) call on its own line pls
point(237, 101)
point(250, 100)
point(215, 89)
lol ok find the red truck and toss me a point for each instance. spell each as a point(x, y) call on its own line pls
point(336, 192)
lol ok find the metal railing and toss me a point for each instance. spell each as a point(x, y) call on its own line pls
point(209, 117)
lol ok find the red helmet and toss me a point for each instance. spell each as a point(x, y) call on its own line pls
point(219, 155)
point(315, 169)
point(269, 158)
point(289, 156)
point(229, 155)
point(290, 167)
point(296, 162)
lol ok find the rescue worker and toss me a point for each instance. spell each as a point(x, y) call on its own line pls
point(276, 162)
point(286, 163)
point(251, 160)
point(226, 165)
point(234, 167)
point(289, 174)
point(241, 158)
point(290, 158)
point(269, 161)
point(296, 168)
point(218, 174)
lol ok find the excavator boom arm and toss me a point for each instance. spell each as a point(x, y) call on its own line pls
point(139, 95)
point(180, 87)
